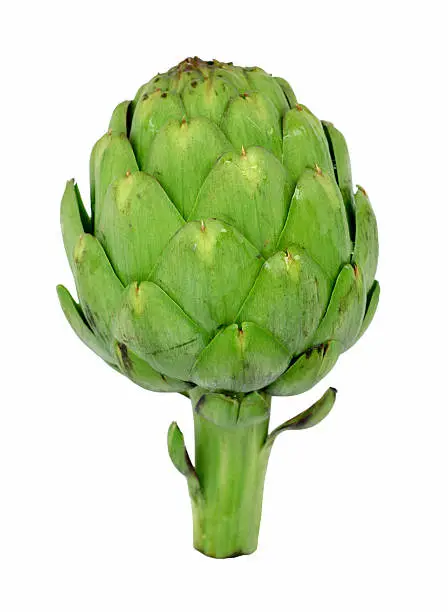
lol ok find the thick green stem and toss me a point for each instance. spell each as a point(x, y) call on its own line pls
point(231, 471)
point(232, 448)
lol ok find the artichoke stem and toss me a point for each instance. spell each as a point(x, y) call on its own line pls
point(232, 449)
point(231, 468)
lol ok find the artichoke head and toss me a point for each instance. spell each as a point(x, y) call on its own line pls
point(225, 248)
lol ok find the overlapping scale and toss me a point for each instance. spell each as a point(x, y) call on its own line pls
point(75, 317)
point(119, 122)
point(224, 410)
point(236, 76)
point(142, 374)
point(288, 298)
point(208, 268)
point(182, 79)
point(262, 82)
point(307, 370)
point(251, 119)
point(181, 156)
point(112, 157)
point(252, 192)
point(208, 97)
point(98, 287)
point(346, 308)
point(151, 113)
point(162, 82)
point(74, 219)
point(304, 143)
point(154, 327)
point(288, 91)
point(343, 172)
point(317, 221)
point(372, 303)
point(136, 223)
point(240, 358)
point(366, 239)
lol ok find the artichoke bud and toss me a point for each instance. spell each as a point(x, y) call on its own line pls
point(228, 243)
point(227, 259)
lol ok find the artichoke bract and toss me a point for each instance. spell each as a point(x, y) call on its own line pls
point(226, 258)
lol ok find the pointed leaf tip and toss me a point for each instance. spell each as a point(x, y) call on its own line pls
point(310, 417)
point(78, 323)
point(181, 460)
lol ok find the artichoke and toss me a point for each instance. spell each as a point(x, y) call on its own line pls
point(226, 258)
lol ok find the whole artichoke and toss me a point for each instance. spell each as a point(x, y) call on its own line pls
point(227, 259)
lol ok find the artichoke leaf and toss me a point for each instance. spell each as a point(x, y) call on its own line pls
point(182, 462)
point(154, 327)
point(254, 408)
point(304, 143)
point(98, 287)
point(227, 411)
point(137, 222)
point(250, 120)
point(288, 91)
point(372, 304)
point(289, 298)
point(120, 119)
point(74, 219)
point(75, 317)
point(309, 418)
point(220, 409)
point(252, 192)
point(240, 358)
point(162, 82)
point(366, 239)
point(112, 157)
point(208, 98)
point(183, 79)
point(307, 370)
point(317, 222)
point(237, 77)
point(208, 268)
point(341, 163)
point(343, 318)
point(152, 112)
point(264, 83)
point(141, 373)
point(181, 156)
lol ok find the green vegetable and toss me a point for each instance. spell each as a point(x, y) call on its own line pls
point(226, 258)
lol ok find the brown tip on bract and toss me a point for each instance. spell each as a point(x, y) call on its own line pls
point(288, 256)
point(356, 270)
point(202, 226)
point(362, 190)
point(184, 121)
point(299, 107)
point(109, 132)
point(318, 169)
point(243, 151)
point(128, 173)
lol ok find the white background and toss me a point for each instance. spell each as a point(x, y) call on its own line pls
point(93, 516)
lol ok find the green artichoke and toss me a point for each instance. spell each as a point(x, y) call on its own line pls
point(226, 258)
